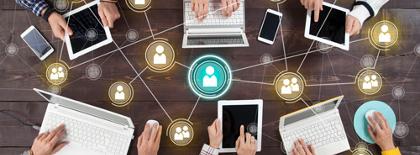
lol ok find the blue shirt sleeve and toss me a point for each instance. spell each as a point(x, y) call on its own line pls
point(35, 6)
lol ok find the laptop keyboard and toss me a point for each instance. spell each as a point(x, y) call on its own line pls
point(87, 135)
point(319, 133)
point(215, 16)
point(215, 40)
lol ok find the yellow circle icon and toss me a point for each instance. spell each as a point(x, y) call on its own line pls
point(57, 73)
point(383, 35)
point(369, 81)
point(181, 132)
point(138, 5)
point(120, 94)
point(160, 56)
point(289, 86)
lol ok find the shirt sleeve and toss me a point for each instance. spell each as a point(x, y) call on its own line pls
point(35, 6)
point(208, 150)
point(362, 12)
point(395, 151)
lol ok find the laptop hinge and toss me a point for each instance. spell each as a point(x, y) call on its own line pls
point(214, 30)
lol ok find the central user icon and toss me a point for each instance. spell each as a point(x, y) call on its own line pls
point(209, 77)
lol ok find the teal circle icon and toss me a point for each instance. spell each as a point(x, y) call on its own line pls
point(209, 77)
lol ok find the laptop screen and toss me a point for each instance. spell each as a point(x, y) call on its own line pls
point(310, 112)
point(85, 109)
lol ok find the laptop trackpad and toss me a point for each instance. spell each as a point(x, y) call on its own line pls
point(215, 40)
point(72, 149)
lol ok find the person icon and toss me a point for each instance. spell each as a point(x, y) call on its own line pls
point(160, 57)
point(367, 84)
point(60, 72)
point(374, 81)
point(384, 36)
point(54, 75)
point(295, 85)
point(185, 132)
point(210, 80)
point(178, 136)
point(286, 88)
point(139, 2)
point(120, 95)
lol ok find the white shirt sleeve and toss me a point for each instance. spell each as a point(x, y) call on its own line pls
point(362, 13)
point(208, 150)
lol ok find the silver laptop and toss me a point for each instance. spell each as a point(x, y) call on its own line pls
point(216, 30)
point(89, 130)
point(319, 125)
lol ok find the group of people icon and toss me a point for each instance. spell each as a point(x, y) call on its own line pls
point(370, 82)
point(139, 2)
point(210, 80)
point(384, 36)
point(57, 73)
point(159, 58)
point(119, 94)
point(290, 86)
point(181, 134)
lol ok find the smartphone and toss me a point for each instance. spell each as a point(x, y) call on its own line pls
point(270, 26)
point(38, 44)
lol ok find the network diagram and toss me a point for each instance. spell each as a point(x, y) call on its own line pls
point(210, 76)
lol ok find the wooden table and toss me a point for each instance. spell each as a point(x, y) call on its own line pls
point(22, 72)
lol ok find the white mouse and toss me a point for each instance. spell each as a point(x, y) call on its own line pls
point(152, 122)
point(368, 114)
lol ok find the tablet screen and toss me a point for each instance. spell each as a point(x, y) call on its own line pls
point(233, 117)
point(334, 26)
point(87, 30)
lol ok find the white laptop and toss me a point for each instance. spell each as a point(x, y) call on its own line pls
point(89, 33)
point(89, 130)
point(235, 113)
point(318, 125)
point(216, 30)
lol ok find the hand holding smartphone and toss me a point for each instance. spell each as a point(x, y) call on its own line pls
point(270, 26)
point(38, 44)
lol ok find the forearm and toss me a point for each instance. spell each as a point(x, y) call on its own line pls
point(37, 7)
point(364, 9)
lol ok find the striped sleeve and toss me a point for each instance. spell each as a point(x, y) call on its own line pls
point(364, 9)
point(35, 6)
point(207, 150)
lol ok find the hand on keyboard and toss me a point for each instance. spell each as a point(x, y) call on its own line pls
point(300, 148)
point(149, 140)
point(49, 143)
point(201, 8)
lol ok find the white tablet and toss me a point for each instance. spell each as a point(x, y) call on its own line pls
point(236, 113)
point(88, 32)
point(329, 30)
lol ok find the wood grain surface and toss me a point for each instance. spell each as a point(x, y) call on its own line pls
point(399, 67)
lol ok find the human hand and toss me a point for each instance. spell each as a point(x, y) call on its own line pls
point(215, 134)
point(300, 148)
point(380, 132)
point(49, 143)
point(352, 25)
point(315, 5)
point(201, 8)
point(245, 145)
point(109, 13)
point(149, 141)
point(230, 6)
point(59, 26)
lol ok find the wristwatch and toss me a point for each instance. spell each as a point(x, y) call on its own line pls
point(47, 13)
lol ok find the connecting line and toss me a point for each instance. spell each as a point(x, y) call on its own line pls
point(138, 75)
point(331, 84)
point(196, 102)
point(153, 95)
point(376, 60)
point(254, 82)
point(148, 23)
point(21, 89)
point(284, 48)
point(182, 65)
